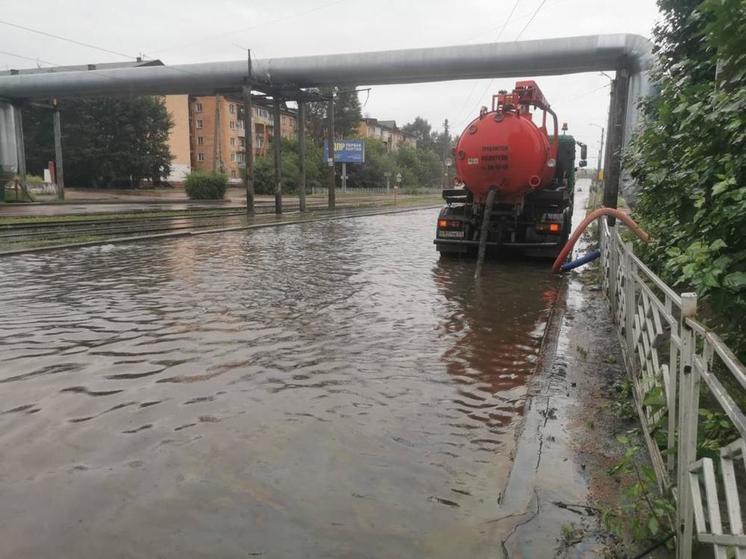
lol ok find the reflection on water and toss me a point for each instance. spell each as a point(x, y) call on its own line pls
point(329, 389)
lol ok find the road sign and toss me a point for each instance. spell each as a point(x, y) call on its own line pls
point(346, 151)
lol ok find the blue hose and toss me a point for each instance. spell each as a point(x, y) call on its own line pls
point(590, 257)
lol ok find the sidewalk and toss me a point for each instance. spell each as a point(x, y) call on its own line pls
point(559, 478)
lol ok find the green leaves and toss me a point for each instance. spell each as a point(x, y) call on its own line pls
point(689, 157)
point(735, 281)
point(105, 140)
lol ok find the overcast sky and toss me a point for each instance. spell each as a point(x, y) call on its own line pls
point(187, 31)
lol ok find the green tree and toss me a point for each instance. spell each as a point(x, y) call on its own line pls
point(420, 128)
point(378, 163)
point(347, 115)
point(264, 178)
point(106, 141)
point(690, 161)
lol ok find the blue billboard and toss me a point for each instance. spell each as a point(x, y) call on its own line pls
point(346, 151)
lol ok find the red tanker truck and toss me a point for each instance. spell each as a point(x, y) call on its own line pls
point(518, 180)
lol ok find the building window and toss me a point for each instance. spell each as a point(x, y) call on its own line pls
point(200, 156)
point(232, 124)
point(233, 156)
point(200, 140)
point(199, 123)
point(233, 141)
point(198, 107)
point(239, 157)
point(232, 108)
point(233, 173)
point(242, 142)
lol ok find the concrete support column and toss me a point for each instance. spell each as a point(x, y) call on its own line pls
point(58, 168)
point(615, 140)
point(20, 149)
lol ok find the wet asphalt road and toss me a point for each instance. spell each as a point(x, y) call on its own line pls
point(327, 389)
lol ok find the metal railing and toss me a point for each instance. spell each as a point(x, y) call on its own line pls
point(668, 355)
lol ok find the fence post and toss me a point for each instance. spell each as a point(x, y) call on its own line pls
point(629, 300)
point(688, 417)
point(613, 265)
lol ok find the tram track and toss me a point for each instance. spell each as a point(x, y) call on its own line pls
point(97, 235)
point(50, 231)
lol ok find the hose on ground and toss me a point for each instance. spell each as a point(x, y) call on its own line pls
point(484, 232)
point(590, 218)
point(590, 257)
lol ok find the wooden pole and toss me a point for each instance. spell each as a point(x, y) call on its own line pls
point(330, 162)
point(248, 131)
point(277, 145)
point(216, 137)
point(58, 170)
point(302, 155)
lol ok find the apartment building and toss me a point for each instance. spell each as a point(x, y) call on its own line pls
point(179, 140)
point(215, 129)
point(387, 132)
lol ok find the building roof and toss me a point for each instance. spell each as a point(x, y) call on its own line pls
point(83, 67)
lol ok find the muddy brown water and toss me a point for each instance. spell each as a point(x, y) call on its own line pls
point(327, 389)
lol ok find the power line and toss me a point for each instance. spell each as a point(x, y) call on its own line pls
point(37, 60)
point(530, 20)
point(497, 38)
point(507, 20)
point(256, 26)
point(80, 43)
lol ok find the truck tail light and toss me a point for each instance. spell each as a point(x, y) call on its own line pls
point(550, 227)
point(449, 224)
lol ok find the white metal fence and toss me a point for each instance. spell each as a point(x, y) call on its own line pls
point(669, 355)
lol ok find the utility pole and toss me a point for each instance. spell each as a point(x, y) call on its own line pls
point(216, 137)
point(277, 145)
point(600, 151)
point(302, 154)
point(599, 162)
point(446, 143)
point(330, 152)
point(248, 132)
point(58, 171)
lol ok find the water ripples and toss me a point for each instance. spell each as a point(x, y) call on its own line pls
point(273, 341)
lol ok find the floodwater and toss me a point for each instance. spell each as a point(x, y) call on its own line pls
point(327, 389)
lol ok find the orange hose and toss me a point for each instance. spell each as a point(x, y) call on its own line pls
point(590, 218)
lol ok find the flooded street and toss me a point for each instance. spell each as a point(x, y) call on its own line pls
point(327, 389)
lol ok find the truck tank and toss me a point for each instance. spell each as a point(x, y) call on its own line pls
point(503, 149)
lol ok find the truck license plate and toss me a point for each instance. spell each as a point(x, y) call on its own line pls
point(451, 234)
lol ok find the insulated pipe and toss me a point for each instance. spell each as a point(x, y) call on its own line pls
point(542, 57)
point(587, 221)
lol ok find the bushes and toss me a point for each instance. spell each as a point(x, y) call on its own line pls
point(206, 186)
point(690, 159)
